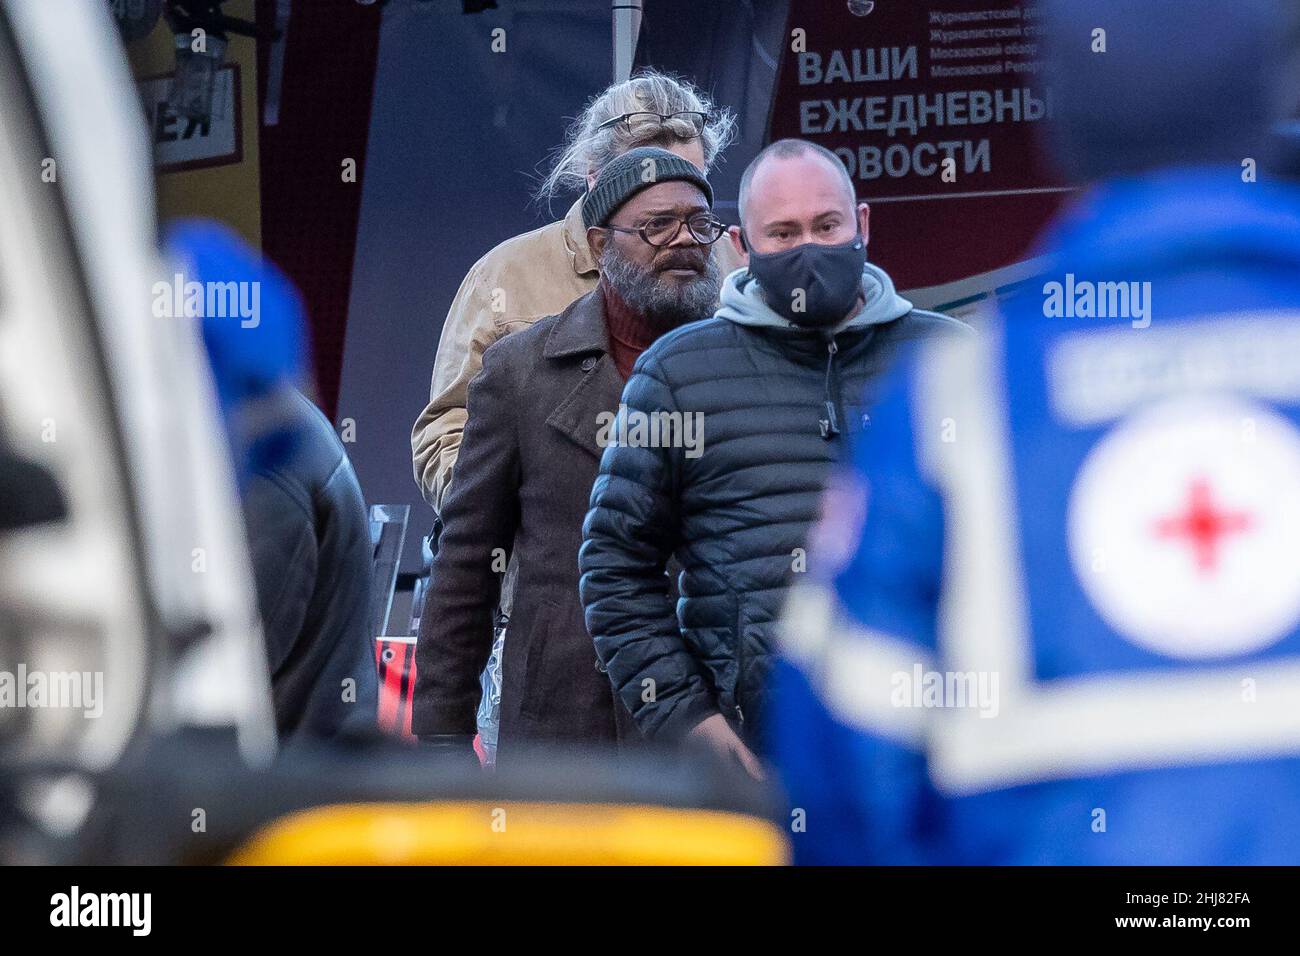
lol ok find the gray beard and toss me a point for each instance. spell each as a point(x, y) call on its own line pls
point(665, 305)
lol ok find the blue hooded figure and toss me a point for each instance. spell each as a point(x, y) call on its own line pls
point(307, 528)
point(1056, 611)
point(253, 329)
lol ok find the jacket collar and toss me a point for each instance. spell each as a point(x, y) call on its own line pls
point(575, 240)
point(581, 329)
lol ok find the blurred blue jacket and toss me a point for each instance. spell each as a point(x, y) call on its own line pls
point(1129, 688)
point(307, 528)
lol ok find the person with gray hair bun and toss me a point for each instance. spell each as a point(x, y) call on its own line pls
point(631, 114)
point(541, 272)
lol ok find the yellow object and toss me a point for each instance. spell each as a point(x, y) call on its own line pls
point(518, 834)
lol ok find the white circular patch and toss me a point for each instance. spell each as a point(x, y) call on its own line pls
point(1183, 528)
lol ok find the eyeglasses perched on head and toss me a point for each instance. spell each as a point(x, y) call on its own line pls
point(661, 230)
point(693, 118)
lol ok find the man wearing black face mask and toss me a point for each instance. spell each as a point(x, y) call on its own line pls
point(773, 387)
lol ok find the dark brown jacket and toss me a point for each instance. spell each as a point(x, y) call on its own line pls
point(524, 476)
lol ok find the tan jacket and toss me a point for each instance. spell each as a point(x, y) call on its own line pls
point(524, 279)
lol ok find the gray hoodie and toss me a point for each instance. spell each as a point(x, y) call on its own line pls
point(743, 302)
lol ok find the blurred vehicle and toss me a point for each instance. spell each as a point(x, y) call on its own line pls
point(146, 580)
point(135, 709)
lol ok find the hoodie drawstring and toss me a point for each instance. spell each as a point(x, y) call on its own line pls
point(830, 425)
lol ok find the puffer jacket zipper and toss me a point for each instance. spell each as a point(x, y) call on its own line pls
point(830, 430)
point(830, 425)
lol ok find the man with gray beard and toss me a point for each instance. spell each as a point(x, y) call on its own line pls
point(537, 424)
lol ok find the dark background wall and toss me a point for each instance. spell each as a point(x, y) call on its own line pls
point(457, 135)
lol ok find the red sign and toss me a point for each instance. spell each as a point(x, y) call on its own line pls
point(937, 110)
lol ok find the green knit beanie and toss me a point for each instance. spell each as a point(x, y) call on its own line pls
point(637, 169)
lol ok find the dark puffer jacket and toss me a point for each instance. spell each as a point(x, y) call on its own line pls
point(309, 538)
point(777, 404)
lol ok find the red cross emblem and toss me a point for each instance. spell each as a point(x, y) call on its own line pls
point(1181, 532)
point(1203, 524)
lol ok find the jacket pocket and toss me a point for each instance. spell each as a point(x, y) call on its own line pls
point(533, 692)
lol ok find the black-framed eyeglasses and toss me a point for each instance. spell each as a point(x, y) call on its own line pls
point(693, 118)
point(661, 230)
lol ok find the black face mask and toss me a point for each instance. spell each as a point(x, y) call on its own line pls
point(829, 277)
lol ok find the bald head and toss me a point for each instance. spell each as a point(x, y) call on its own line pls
point(796, 192)
point(787, 149)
